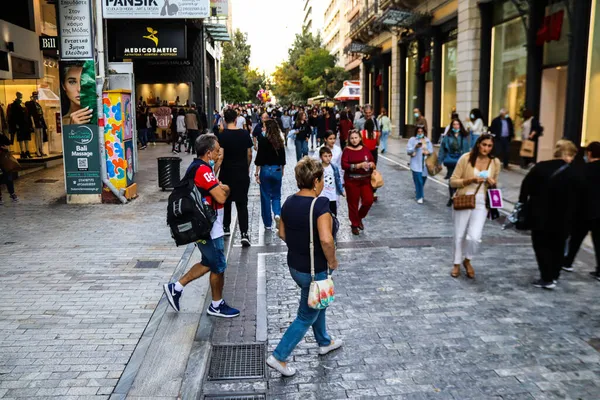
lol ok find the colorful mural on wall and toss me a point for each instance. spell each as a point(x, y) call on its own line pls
point(117, 137)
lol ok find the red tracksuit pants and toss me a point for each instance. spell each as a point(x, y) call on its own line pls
point(358, 192)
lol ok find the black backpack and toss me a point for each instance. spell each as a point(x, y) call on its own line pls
point(189, 215)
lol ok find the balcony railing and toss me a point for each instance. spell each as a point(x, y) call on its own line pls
point(362, 21)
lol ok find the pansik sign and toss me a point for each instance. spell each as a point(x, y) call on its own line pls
point(152, 40)
point(152, 9)
point(75, 29)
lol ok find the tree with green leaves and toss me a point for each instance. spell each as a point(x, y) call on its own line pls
point(235, 63)
point(309, 71)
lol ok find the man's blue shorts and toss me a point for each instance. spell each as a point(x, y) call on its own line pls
point(213, 254)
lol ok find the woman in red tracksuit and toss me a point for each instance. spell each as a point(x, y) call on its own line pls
point(370, 138)
point(358, 164)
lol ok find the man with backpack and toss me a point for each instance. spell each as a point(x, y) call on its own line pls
point(212, 248)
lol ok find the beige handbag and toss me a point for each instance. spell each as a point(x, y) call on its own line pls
point(527, 148)
point(376, 179)
point(432, 164)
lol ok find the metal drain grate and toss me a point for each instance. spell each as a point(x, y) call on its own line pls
point(237, 361)
point(46, 181)
point(147, 264)
point(240, 397)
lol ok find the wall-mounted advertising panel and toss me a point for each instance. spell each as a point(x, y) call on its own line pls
point(152, 39)
point(154, 9)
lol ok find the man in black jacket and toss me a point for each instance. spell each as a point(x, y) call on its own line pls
point(504, 131)
point(588, 209)
point(550, 192)
point(325, 122)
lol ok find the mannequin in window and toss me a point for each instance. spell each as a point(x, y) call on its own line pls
point(36, 113)
point(18, 123)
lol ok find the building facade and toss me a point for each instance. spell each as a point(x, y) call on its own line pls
point(314, 16)
point(445, 56)
point(335, 30)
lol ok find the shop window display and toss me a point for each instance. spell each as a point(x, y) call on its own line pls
point(509, 71)
point(42, 93)
point(449, 52)
point(591, 119)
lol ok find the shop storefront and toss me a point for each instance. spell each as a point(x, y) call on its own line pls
point(508, 65)
point(449, 75)
point(591, 116)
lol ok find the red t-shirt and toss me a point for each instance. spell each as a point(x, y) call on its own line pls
point(370, 144)
point(205, 179)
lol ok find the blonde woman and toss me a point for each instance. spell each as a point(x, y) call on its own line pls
point(475, 172)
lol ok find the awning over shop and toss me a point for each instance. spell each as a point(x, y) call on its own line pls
point(359, 47)
point(349, 92)
point(218, 32)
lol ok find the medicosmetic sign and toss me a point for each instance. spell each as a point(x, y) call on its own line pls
point(153, 9)
point(75, 29)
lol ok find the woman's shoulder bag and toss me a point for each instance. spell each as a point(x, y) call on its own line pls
point(321, 293)
point(467, 201)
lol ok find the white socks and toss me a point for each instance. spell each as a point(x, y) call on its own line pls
point(178, 286)
point(217, 303)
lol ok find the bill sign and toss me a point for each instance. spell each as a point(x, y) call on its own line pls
point(152, 9)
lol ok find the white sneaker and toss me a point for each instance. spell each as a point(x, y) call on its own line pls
point(420, 201)
point(335, 344)
point(276, 365)
point(268, 228)
point(277, 221)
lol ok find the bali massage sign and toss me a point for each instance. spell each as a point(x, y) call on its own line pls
point(75, 29)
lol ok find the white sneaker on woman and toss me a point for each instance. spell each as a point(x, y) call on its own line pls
point(276, 365)
point(420, 201)
point(335, 344)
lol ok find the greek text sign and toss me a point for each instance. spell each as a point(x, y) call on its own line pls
point(153, 9)
point(75, 29)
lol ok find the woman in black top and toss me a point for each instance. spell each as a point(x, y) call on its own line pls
point(295, 232)
point(303, 131)
point(270, 162)
point(549, 191)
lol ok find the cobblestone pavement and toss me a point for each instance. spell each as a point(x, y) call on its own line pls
point(74, 306)
point(410, 330)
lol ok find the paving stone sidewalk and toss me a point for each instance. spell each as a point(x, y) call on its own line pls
point(74, 306)
point(410, 330)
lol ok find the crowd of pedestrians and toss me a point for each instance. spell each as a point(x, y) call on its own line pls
point(559, 196)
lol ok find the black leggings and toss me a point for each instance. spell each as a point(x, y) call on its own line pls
point(549, 248)
point(242, 210)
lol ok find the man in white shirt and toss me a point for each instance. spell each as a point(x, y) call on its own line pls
point(240, 121)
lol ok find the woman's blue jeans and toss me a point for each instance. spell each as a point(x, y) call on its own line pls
point(384, 140)
point(306, 318)
point(419, 180)
point(301, 149)
point(313, 136)
point(270, 192)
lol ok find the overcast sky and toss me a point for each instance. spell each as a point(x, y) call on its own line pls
point(271, 26)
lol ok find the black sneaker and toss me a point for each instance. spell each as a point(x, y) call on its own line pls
point(595, 274)
point(223, 311)
point(568, 268)
point(449, 203)
point(544, 285)
point(14, 198)
point(226, 232)
point(172, 295)
point(245, 240)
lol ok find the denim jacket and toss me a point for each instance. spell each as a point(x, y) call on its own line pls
point(338, 180)
point(453, 147)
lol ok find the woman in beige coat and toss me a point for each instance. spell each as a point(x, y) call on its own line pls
point(475, 173)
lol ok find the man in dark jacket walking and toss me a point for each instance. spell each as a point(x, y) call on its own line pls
point(550, 192)
point(325, 122)
point(588, 210)
point(504, 131)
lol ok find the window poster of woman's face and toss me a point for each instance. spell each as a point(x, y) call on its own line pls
point(78, 93)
